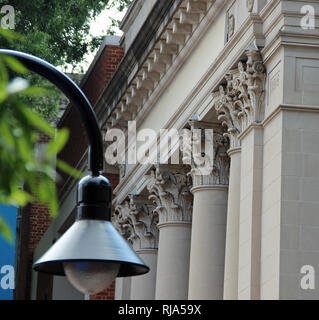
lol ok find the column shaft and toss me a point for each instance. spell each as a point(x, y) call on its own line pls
point(143, 287)
point(208, 242)
point(173, 261)
point(123, 288)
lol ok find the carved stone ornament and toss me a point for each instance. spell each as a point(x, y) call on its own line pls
point(250, 5)
point(205, 150)
point(169, 189)
point(136, 220)
point(240, 102)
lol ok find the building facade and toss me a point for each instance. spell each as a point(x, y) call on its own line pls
point(247, 72)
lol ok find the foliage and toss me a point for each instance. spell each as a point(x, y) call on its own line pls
point(120, 5)
point(55, 30)
point(22, 168)
point(58, 32)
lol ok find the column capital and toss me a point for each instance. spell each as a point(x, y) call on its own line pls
point(137, 222)
point(240, 102)
point(205, 150)
point(169, 189)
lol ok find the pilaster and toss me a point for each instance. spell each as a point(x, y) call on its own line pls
point(241, 107)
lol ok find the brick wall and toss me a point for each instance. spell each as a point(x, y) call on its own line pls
point(39, 221)
point(100, 75)
point(107, 294)
point(102, 72)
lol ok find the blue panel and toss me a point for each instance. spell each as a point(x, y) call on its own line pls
point(7, 253)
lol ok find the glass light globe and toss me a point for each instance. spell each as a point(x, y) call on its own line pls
point(91, 277)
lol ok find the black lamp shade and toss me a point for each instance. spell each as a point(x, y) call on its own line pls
point(91, 240)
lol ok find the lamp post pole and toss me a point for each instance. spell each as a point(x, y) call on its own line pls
point(91, 253)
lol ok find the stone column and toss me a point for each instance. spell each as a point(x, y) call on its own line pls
point(225, 103)
point(169, 189)
point(241, 108)
point(209, 171)
point(137, 222)
point(122, 288)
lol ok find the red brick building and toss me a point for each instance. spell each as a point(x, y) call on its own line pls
point(34, 220)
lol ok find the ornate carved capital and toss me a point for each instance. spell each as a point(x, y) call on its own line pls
point(137, 222)
point(205, 149)
point(240, 102)
point(169, 188)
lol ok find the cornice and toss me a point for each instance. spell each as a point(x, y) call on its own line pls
point(289, 107)
point(144, 42)
point(164, 57)
point(286, 35)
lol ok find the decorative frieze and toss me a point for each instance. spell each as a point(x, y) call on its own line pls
point(137, 221)
point(240, 102)
point(169, 189)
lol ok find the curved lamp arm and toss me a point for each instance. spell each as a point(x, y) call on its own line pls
point(92, 244)
point(75, 94)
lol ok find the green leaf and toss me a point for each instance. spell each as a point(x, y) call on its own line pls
point(6, 134)
point(3, 82)
point(37, 121)
point(56, 145)
point(20, 197)
point(36, 92)
point(63, 166)
point(15, 64)
point(52, 199)
point(5, 230)
point(11, 35)
point(24, 149)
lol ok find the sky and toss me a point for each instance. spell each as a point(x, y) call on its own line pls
point(98, 28)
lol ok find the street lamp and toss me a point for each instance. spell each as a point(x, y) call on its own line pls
point(91, 253)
